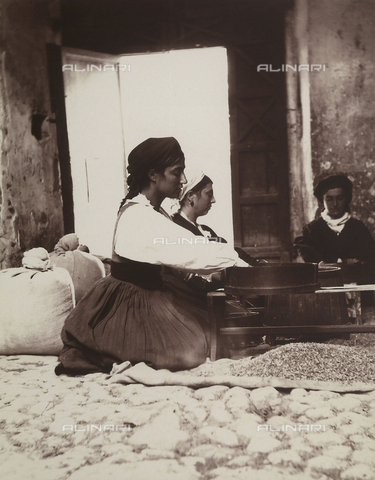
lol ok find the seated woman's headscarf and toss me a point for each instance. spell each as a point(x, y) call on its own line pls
point(196, 181)
point(153, 153)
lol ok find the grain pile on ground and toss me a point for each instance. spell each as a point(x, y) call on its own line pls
point(364, 340)
point(311, 361)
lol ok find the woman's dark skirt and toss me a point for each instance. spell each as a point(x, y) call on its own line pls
point(117, 321)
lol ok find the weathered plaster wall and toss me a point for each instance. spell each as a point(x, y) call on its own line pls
point(30, 197)
point(342, 36)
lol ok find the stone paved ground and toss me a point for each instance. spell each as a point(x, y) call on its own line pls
point(176, 432)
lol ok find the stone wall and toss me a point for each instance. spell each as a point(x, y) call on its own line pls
point(30, 192)
point(342, 36)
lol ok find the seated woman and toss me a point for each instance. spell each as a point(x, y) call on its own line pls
point(196, 199)
point(132, 314)
point(336, 237)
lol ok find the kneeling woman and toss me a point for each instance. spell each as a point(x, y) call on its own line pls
point(133, 314)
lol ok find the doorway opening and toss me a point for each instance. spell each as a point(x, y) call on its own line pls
point(110, 110)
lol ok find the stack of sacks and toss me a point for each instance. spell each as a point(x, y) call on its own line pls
point(35, 301)
point(84, 268)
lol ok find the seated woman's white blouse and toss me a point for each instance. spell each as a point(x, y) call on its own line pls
point(145, 235)
point(205, 233)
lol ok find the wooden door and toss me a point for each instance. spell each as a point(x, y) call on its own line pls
point(259, 152)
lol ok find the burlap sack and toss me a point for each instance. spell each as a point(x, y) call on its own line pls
point(85, 269)
point(33, 306)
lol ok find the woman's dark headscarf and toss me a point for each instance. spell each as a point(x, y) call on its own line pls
point(153, 153)
point(334, 181)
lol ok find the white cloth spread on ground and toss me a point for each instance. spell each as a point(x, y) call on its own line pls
point(176, 247)
point(125, 373)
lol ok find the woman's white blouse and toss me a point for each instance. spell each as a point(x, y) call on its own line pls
point(145, 235)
